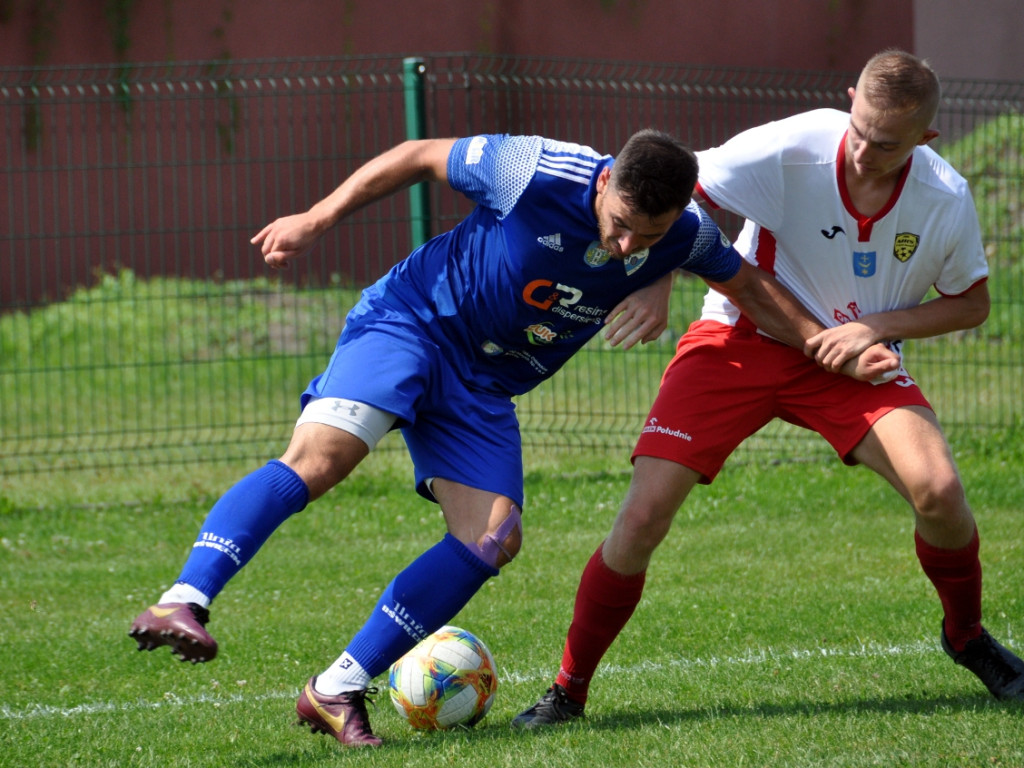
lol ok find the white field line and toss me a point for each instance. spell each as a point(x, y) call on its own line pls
point(752, 657)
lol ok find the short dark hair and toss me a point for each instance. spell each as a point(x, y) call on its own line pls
point(654, 173)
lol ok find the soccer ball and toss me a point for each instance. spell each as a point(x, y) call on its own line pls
point(447, 680)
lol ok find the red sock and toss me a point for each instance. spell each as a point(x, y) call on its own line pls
point(956, 574)
point(604, 602)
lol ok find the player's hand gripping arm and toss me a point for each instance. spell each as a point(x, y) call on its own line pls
point(411, 162)
point(831, 346)
point(642, 316)
point(777, 312)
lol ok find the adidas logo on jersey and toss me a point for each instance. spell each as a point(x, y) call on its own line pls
point(554, 242)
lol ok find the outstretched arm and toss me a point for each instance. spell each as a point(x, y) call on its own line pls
point(411, 162)
point(777, 312)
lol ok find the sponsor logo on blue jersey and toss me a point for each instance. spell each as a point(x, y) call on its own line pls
point(541, 333)
point(543, 293)
point(554, 242)
point(562, 300)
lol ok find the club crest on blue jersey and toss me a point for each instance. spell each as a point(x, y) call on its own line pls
point(864, 263)
point(596, 256)
point(905, 245)
point(634, 261)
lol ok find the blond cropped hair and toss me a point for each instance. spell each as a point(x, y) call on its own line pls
point(898, 82)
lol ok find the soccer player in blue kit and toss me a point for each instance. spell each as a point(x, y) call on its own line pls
point(563, 242)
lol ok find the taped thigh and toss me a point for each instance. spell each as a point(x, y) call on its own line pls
point(364, 421)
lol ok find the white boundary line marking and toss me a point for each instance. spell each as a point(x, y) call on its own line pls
point(99, 708)
point(751, 657)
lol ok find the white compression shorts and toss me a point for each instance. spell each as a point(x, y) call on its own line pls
point(364, 421)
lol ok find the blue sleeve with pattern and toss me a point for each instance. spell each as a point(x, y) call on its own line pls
point(493, 170)
point(712, 256)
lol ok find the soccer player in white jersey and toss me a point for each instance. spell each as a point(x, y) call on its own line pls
point(561, 241)
point(858, 217)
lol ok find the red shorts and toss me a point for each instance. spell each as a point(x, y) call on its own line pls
point(725, 383)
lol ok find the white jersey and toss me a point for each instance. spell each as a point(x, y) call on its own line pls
point(786, 179)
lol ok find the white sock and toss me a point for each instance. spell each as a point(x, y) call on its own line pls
point(184, 593)
point(342, 676)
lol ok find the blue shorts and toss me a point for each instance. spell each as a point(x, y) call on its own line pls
point(452, 431)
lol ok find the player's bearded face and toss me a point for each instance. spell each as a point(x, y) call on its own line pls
point(609, 240)
point(623, 231)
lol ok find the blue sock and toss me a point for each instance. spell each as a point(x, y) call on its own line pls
point(423, 597)
point(240, 522)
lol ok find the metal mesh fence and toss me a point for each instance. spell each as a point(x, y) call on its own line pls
point(138, 326)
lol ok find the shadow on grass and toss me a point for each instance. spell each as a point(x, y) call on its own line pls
point(893, 706)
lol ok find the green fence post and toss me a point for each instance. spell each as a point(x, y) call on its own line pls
point(416, 128)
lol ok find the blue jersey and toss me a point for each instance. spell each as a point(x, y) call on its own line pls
point(522, 283)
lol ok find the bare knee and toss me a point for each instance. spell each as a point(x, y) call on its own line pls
point(636, 533)
point(657, 490)
point(943, 517)
point(940, 496)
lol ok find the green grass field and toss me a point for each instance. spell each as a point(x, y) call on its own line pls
point(785, 623)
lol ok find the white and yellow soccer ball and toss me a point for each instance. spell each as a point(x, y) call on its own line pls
point(447, 680)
